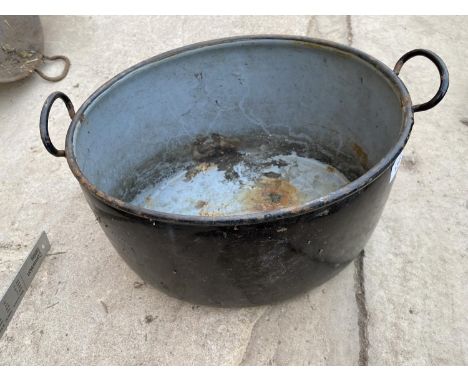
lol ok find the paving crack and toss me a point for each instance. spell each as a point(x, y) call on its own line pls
point(252, 330)
point(349, 29)
point(363, 314)
point(310, 26)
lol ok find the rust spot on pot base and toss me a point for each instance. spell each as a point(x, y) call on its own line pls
point(269, 194)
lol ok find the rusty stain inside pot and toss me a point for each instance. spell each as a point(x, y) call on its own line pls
point(361, 154)
point(224, 176)
point(269, 194)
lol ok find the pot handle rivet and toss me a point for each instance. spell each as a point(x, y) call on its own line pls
point(44, 121)
point(443, 72)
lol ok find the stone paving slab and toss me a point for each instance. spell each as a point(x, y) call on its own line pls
point(416, 264)
point(84, 306)
point(87, 307)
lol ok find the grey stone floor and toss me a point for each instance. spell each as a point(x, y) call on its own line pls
point(83, 306)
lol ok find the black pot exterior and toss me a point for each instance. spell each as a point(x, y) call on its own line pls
point(258, 258)
point(245, 265)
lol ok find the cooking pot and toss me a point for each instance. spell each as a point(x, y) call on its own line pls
point(244, 170)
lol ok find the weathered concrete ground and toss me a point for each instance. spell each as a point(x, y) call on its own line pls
point(85, 305)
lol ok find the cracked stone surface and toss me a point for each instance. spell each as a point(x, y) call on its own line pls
point(85, 306)
point(416, 264)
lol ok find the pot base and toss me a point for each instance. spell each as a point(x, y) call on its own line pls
point(228, 176)
point(206, 189)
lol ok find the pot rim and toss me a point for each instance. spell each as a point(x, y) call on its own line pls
point(316, 205)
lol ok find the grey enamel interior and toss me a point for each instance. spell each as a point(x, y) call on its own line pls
point(303, 90)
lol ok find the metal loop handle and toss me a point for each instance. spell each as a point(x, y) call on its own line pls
point(441, 67)
point(44, 121)
point(61, 76)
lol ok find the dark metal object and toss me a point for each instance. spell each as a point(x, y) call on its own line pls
point(16, 291)
point(441, 67)
point(44, 121)
point(60, 76)
point(259, 257)
point(21, 47)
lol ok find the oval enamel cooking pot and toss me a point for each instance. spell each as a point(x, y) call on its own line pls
point(219, 101)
